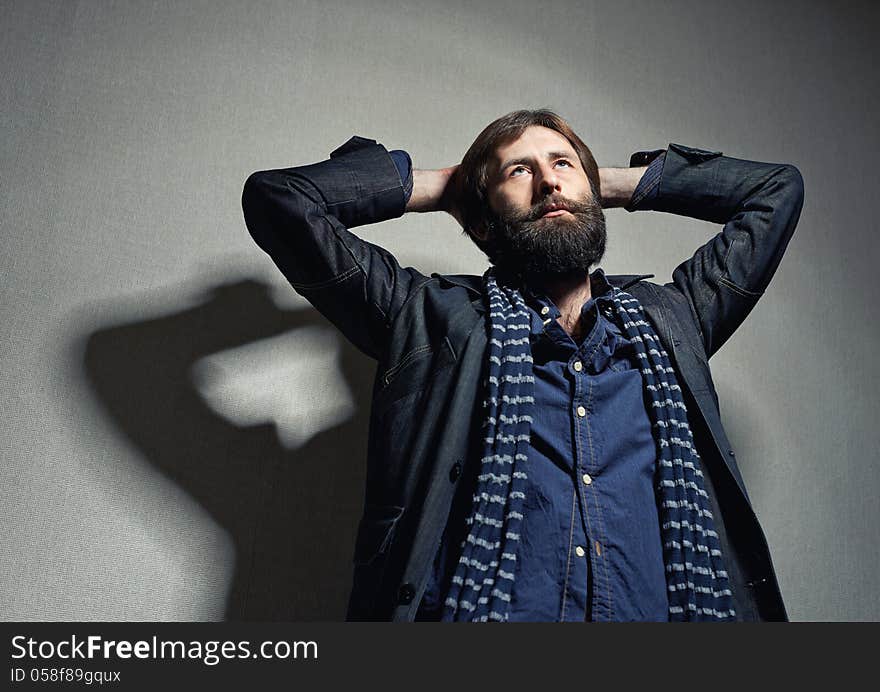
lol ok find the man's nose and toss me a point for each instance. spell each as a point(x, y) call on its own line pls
point(548, 182)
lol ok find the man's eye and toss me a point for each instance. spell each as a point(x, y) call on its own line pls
point(518, 169)
point(567, 163)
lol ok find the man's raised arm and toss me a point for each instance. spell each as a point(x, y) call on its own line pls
point(759, 205)
point(300, 216)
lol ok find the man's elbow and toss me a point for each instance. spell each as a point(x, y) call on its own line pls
point(793, 184)
point(782, 194)
point(254, 198)
point(266, 201)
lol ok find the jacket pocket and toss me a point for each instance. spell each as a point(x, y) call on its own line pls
point(427, 356)
point(374, 539)
point(418, 353)
point(376, 533)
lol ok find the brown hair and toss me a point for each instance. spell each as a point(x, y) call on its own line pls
point(472, 174)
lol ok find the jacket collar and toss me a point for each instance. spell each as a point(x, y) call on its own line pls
point(474, 283)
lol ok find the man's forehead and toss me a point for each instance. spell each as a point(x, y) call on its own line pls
point(533, 138)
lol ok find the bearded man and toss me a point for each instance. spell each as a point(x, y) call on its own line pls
point(545, 441)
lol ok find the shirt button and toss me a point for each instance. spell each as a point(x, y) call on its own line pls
point(455, 472)
point(545, 310)
point(577, 365)
point(405, 594)
point(580, 552)
point(581, 411)
point(587, 479)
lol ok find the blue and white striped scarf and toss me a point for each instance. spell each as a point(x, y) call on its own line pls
point(697, 583)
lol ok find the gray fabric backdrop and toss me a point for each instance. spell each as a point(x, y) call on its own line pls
point(183, 436)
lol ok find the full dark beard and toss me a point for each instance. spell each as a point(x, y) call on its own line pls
point(531, 246)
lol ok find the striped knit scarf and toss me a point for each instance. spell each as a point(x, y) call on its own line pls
point(697, 583)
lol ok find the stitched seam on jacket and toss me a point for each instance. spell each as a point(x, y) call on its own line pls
point(329, 282)
point(688, 302)
point(707, 346)
point(337, 202)
point(413, 292)
point(738, 289)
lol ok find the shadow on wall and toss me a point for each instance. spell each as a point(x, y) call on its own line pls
point(291, 514)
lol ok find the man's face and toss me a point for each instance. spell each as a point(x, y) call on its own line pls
point(545, 220)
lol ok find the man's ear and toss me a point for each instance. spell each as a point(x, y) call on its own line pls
point(482, 226)
point(480, 231)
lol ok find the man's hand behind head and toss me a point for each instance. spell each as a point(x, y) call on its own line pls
point(450, 200)
point(436, 190)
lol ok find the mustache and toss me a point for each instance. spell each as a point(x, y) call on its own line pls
point(554, 203)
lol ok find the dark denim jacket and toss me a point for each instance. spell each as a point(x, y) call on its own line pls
point(428, 335)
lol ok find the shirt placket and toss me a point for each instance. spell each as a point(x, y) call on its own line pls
point(587, 481)
point(587, 579)
point(575, 591)
point(577, 578)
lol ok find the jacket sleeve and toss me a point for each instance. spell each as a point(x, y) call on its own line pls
point(300, 217)
point(759, 205)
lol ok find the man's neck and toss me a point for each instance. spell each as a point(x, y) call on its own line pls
point(569, 292)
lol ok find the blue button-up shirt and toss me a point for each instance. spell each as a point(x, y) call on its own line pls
point(590, 540)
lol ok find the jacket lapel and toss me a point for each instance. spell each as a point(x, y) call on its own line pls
point(692, 372)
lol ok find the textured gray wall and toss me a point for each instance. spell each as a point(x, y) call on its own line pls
point(183, 436)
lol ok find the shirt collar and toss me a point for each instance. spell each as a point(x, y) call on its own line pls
point(536, 299)
point(542, 309)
